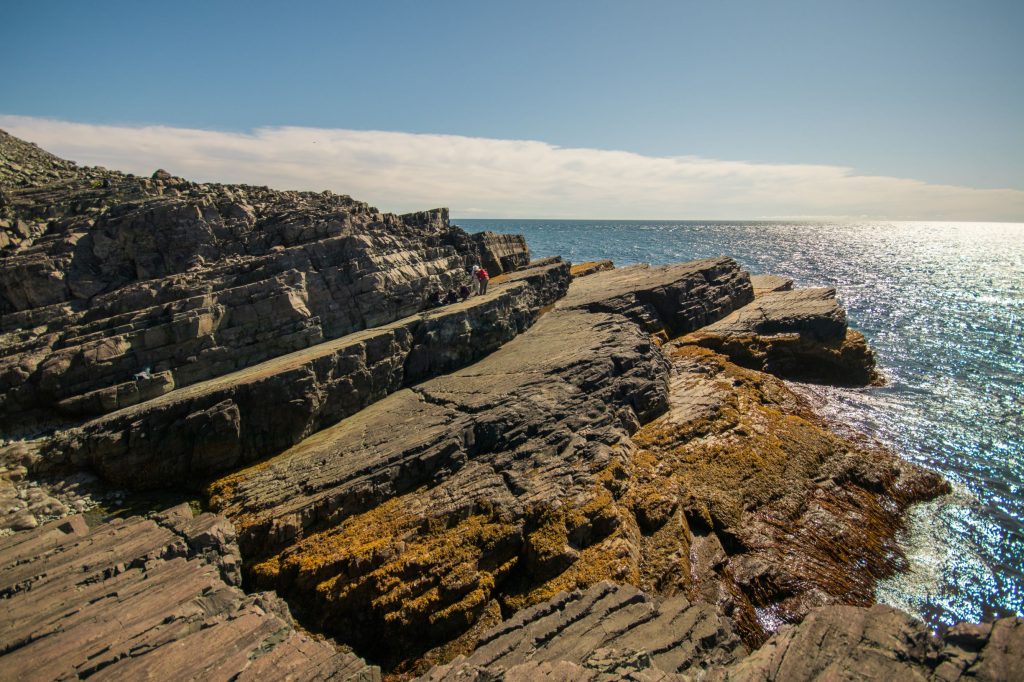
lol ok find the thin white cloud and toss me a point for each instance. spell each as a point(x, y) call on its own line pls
point(511, 178)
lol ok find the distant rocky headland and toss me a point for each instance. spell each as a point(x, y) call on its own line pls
point(238, 440)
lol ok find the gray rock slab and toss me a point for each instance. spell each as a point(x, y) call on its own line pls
point(814, 312)
point(527, 416)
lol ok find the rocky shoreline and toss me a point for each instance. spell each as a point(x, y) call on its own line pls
point(587, 473)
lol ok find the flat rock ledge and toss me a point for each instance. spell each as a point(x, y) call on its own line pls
point(154, 598)
point(799, 334)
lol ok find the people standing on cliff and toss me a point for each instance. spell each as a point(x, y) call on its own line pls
point(482, 277)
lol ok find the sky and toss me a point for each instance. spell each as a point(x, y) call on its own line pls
point(910, 109)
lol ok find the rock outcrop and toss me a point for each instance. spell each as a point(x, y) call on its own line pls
point(148, 598)
point(106, 276)
point(611, 633)
point(215, 426)
point(590, 480)
point(489, 487)
point(882, 643)
point(749, 501)
point(795, 334)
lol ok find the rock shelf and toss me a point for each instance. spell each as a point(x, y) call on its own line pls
point(587, 473)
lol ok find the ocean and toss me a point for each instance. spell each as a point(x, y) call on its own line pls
point(942, 304)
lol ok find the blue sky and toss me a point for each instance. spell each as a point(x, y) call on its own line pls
point(926, 90)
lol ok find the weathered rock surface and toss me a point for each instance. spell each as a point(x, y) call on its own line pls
point(611, 631)
point(501, 253)
point(220, 424)
point(882, 643)
point(106, 275)
point(590, 267)
point(749, 501)
point(765, 284)
point(452, 487)
point(140, 599)
point(494, 483)
point(673, 299)
point(796, 334)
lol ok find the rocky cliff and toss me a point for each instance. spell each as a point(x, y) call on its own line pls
point(586, 473)
point(106, 276)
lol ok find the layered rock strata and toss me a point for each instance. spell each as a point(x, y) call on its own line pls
point(750, 501)
point(611, 633)
point(214, 426)
point(797, 334)
point(487, 488)
point(106, 276)
point(146, 599)
point(455, 486)
point(608, 630)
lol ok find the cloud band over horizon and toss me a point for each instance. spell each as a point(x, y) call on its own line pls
point(484, 177)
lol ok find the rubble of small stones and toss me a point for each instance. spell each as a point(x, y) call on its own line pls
point(587, 473)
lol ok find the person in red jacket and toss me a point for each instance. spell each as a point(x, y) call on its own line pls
point(483, 278)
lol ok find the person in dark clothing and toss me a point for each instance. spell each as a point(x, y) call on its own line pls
point(464, 292)
point(453, 297)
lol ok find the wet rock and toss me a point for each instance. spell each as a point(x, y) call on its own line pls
point(777, 513)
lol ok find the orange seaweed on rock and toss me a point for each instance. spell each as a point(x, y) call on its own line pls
point(783, 513)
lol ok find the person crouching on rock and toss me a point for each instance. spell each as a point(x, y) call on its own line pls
point(464, 292)
point(483, 278)
point(436, 299)
point(452, 297)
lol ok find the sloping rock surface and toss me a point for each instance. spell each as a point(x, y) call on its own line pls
point(105, 276)
point(613, 633)
point(611, 630)
point(415, 515)
point(217, 425)
point(751, 502)
point(882, 643)
point(146, 599)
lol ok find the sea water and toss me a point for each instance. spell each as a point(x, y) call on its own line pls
point(942, 304)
